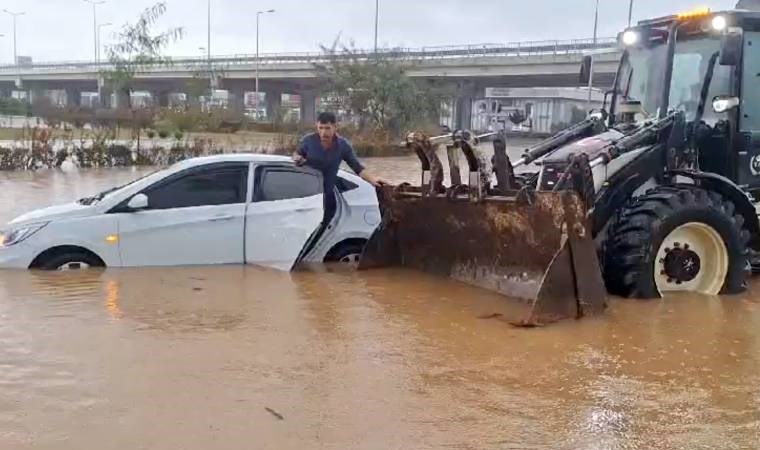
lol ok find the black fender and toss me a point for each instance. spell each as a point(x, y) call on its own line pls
point(731, 191)
point(620, 187)
point(613, 198)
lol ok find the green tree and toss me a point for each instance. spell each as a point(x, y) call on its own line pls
point(378, 92)
point(196, 87)
point(138, 47)
point(12, 106)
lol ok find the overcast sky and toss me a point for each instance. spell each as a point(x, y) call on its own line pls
point(62, 29)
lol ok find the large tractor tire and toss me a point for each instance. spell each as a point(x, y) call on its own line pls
point(677, 238)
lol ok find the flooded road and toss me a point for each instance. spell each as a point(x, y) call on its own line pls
point(240, 357)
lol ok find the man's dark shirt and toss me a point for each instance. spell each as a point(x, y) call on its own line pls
point(328, 162)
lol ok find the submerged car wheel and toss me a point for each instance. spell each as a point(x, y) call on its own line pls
point(348, 254)
point(352, 258)
point(678, 238)
point(71, 261)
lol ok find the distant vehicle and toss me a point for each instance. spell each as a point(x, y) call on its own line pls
point(225, 209)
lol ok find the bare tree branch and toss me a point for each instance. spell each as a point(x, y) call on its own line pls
point(139, 47)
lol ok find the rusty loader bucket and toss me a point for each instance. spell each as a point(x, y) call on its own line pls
point(525, 244)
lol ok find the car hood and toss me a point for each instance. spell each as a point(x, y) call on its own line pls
point(68, 210)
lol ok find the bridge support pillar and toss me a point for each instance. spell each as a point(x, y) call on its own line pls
point(37, 95)
point(122, 99)
point(194, 94)
point(160, 98)
point(308, 107)
point(274, 105)
point(236, 99)
point(73, 97)
point(464, 101)
point(105, 99)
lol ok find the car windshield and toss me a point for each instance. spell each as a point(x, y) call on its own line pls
point(641, 77)
point(100, 196)
point(690, 65)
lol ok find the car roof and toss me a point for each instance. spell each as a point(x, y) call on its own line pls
point(232, 157)
point(248, 157)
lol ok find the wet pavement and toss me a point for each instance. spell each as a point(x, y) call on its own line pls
point(242, 357)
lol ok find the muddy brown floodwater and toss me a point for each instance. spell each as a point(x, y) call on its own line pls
point(240, 357)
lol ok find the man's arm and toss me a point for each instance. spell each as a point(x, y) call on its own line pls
point(372, 179)
point(299, 156)
point(349, 156)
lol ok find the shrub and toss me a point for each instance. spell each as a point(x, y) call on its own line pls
point(119, 155)
point(189, 119)
point(14, 107)
point(13, 158)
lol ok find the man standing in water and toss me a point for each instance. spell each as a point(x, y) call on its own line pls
point(324, 151)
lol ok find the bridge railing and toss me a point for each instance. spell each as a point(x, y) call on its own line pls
point(203, 64)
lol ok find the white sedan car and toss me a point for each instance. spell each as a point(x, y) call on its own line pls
point(226, 209)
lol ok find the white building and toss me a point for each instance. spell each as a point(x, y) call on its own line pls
point(547, 110)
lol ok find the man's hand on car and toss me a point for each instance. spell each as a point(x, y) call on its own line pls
point(373, 180)
point(298, 159)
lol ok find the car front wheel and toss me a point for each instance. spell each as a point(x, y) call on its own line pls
point(71, 261)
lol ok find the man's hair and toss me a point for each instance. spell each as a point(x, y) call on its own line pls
point(327, 118)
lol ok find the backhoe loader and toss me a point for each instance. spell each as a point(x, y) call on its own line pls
point(653, 193)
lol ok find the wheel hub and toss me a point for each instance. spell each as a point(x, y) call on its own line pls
point(692, 258)
point(74, 265)
point(351, 259)
point(681, 264)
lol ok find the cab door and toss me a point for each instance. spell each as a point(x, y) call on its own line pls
point(748, 162)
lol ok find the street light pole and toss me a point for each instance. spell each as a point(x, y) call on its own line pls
point(596, 20)
point(97, 54)
point(94, 4)
point(630, 13)
point(256, 98)
point(377, 18)
point(208, 55)
point(591, 74)
point(15, 49)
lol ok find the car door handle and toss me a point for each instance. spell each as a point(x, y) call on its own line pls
point(221, 219)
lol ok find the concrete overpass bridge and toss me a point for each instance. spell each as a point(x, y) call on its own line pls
point(468, 69)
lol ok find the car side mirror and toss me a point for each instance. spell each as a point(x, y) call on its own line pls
point(586, 67)
point(138, 202)
point(723, 103)
point(731, 47)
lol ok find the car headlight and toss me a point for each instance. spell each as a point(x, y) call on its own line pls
point(16, 235)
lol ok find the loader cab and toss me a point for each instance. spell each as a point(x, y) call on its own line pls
point(742, 104)
point(706, 65)
point(665, 65)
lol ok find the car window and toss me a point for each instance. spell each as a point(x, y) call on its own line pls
point(344, 185)
point(216, 186)
point(283, 184)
